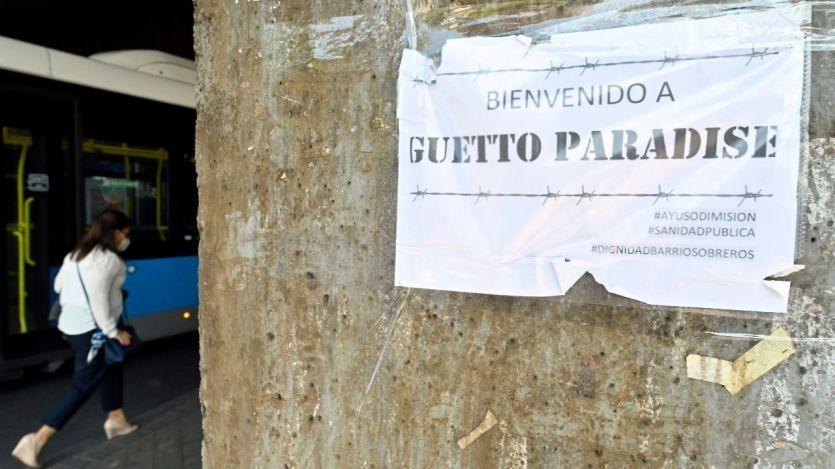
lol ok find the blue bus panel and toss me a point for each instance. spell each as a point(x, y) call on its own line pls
point(155, 285)
point(161, 285)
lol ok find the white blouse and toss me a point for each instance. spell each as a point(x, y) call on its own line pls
point(103, 273)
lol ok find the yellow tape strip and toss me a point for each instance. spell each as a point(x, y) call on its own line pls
point(746, 369)
point(489, 422)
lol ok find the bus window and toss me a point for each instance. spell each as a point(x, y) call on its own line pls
point(131, 179)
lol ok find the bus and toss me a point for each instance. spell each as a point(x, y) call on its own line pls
point(81, 134)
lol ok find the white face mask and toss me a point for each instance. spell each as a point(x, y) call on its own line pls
point(123, 245)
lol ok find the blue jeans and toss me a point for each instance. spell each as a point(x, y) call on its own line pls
point(86, 378)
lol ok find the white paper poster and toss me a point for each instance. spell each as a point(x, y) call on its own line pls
point(662, 159)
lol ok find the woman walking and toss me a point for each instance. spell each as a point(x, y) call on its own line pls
point(89, 284)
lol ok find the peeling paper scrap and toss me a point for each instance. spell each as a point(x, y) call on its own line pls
point(781, 287)
point(489, 422)
point(789, 271)
point(746, 369)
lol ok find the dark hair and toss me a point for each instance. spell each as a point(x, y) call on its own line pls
point(102, 233)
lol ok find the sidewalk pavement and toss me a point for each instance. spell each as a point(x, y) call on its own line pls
point(169, 437)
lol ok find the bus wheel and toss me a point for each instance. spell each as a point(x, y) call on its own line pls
point(52, 367)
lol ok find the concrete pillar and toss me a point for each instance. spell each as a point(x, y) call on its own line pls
point(296, 153)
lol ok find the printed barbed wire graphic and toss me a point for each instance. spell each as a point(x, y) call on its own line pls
point(594, 65)
point(586, 195)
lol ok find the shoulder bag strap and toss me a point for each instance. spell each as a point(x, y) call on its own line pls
point(86, 297)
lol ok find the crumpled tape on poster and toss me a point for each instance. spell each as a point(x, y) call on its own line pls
point(662, 159)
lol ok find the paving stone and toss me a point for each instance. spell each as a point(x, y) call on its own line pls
point(169, 437)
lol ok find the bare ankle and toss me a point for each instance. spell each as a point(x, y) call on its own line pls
point(43, 435)
point(117, 416)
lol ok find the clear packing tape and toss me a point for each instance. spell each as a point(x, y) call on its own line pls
point(540, 20)
point(531, 31)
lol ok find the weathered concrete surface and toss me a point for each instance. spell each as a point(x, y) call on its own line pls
point(296, 146)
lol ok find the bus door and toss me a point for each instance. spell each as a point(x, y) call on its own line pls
point(36, 206)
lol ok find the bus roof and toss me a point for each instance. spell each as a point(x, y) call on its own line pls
point(144, 74)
